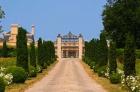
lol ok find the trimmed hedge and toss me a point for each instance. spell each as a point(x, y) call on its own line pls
point(101, 71)
point(115, 78)
point(2, 85)
point(19, 74)
point(33, 71)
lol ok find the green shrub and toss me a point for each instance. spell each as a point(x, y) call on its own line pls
point(101, 71)
point(138, 54)
point(2, 85)
point(33, 71)
point(39, 69)
point(115, 78)
point(45, 65)
point(92, 64)
point(19, 74)
point(120, 55)
point(95, 69)
point(12, 52)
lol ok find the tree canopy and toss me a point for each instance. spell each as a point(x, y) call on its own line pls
point(121, 17)
point(2, 15)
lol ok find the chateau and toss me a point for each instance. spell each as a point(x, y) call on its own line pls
point(10, 36)
point(69, 46)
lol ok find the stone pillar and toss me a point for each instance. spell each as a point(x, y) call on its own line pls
point(80, 46)
point(59, 50)
point(67, 53)
point(76, 53)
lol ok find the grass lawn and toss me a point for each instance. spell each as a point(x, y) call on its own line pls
point(138, 67)
point(120, 66)
point(5, 62)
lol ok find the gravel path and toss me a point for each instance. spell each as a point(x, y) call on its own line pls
point(67, 76)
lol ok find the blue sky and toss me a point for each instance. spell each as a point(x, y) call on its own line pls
point(52, 17)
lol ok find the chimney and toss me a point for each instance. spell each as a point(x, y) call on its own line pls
point(33, 30)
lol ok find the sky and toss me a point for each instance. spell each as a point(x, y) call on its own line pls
point(53, 17)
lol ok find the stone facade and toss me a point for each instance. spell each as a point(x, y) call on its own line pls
point(69, 46)
point(10, 36)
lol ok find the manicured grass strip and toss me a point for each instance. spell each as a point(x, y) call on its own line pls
point(120, 66)
point(5, 62)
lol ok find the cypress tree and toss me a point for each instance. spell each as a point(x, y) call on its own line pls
point(4, 49)
point(112, 58)
point(22, 49)
point(50, 52)
point(96, 51)
point(32, 55)
point(129, 56)
point(44, 53)
point(86, 49)
point(103, 55)
point(40, 52)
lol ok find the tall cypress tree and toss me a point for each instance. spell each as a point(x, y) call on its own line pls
point(44, 53)
point(129, 56)
point(49, 53)
point(40, 52)
point(22, 49)
point(103, 58)
point(2, 15)
point(32, 55)
point(112, 58)
point(5, 49)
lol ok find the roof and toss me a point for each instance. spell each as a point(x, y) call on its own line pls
point(70, 35)
point(10, 32)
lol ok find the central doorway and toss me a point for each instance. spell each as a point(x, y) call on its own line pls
point(70, 54)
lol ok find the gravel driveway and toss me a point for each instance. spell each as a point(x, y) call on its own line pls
point(67, 76)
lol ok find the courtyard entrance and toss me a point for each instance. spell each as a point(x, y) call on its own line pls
point(70, 54)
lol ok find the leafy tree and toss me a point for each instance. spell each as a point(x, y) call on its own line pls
point(129, 56)
point(112, 58)
point(5, 49)
point(120, 17)
point(2, 15)
point(32, 54)
point(22, 50)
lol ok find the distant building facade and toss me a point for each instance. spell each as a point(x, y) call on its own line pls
point(10, 36)
point(69, 46)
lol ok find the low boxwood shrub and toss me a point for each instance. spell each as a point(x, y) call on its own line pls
point(19, 74)
point(101, 71)
point(92, 64)
point(45, 65)
point(2, 85)
point(33, 71)
point(39, 69)
point(115, 78)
